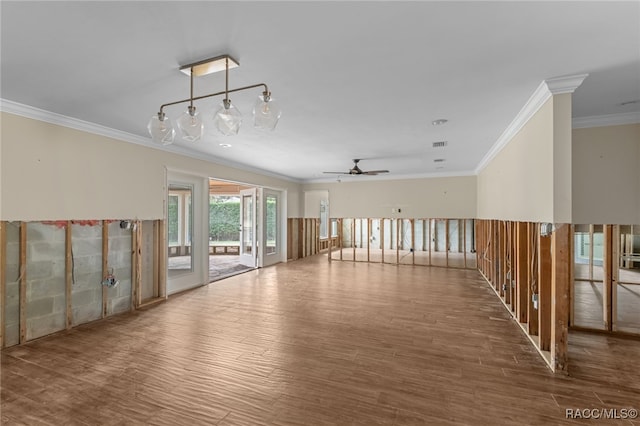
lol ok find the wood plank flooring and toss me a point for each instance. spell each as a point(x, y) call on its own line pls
point(314, 343)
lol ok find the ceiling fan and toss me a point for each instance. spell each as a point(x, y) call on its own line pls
point(355, 170)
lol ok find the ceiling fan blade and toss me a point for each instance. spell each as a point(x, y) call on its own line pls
point(374, 172)
point(336, 173)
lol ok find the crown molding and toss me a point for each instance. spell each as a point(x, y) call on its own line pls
point(546, 89)
point(566, 84)
point(351, 178)
point(34, 113)
point(606, 120)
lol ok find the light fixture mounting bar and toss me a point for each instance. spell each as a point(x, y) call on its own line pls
point(209, 66)
point(196, 98)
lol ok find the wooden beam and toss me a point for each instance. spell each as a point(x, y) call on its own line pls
point(608, 264)
point(155, 266)
point(572, 256)
point(503, 259)
point(508, 263)
point(23, 282)
point(532, 312)
point(398, 233)
point(369, 240)
point(522, 281)
point(382, 240)
point(105, 265)
point(353, 237)
point(162, 259)
point(68, 260)
point(428, 223)
point(591, 231)
point(136, 263)
point(413, 241)
point(464, 243)
point(544, 289)
point(446, 242)
point(3, 280)
point(560, 249)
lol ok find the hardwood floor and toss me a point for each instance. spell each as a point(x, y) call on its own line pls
point(310, 342)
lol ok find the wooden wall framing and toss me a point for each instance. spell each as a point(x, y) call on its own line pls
point(529, 272)
point(159, 272)
point(393, 248)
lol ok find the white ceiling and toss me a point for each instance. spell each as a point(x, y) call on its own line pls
point(355, 79)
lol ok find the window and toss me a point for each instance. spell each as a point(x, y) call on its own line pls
point(324, 220)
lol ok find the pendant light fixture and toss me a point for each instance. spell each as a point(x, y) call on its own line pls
point(227, 118)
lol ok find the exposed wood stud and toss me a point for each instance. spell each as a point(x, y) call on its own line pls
point(430, 246)
point(608, 264)
point(369, 221)
point(532, 285)
point(591, 232)
point(446, 242)
point(560, 244)
point(156, 254)
point(136, 261)
point(522, 282)
point(23, 282)
point(544, 288)
point(162, 259)
point(464, 242)
point(398, 234)
point(105, 265)
point(3, 279)
point(413, 241)
point(382, 239)
point(68, 256)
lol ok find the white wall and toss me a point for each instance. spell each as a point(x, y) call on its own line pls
point(449, 197)
point(606, 175)
point(50, 172)
point(312, 200)
point(530, 178)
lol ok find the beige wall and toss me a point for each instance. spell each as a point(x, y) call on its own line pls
point(562, 163)
point(518, 183)
point(606, 175)
point(530, 178)
point(50, 172)
point(450, 197)
point(312, 200)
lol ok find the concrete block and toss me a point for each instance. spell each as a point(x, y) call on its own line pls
point(38, 327)
point(91, 280)
point(60, 304)
point(39, 307)
point(39, 270)
point(119, 305)
point(87, 297)
point(40, 289)
point(45, 250)
point(85, 231)
point(89, 263)
point(40, 232)
point(86, 247)
point(13, 252)
point(12, 272)
point(86, 313)
point(12, 334)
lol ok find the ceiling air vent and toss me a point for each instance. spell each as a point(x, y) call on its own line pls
point(439, 160)
point(440, 144)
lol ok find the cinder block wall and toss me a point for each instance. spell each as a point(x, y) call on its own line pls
point(46, 299)
point(45, 271)
point(119, 298)
point(12, 291)
point(86, 292)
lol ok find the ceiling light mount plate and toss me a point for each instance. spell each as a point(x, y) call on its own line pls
point(209, 66)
